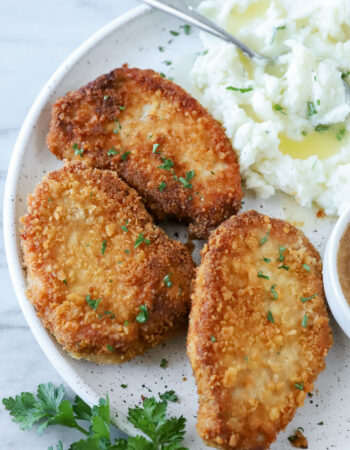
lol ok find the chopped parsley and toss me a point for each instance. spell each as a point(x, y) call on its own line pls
point(140, 239)
point(341, 133)
point(345, 75)
point(304, 321)
point(168, 63)
point(281, 251)
point(161, 49)
point(123, 386)
point(186, 181)
point(264, 239)
point(169, 396)
point(304, 133)
point(179, 291)
point(167, 281)
point(125, 156)
point(107, 313)
point(162, 186)
point(270, 317)
point(110, 348)
point(282, 27)
point(321, 128)
point(174, 33)
point(299, 386)
point(77, 150)
point(65, 282)
point(306, 267)
point(283, 267)
point(155, 147)
point(261, 275)
point(273, 292)
point(127, 251)
point(241, 90)
point(49, 199)
point(306, 299)
point(105, 97)
point(320, 423)
point(142, 316)
point(121, 108)
point(279, 108)
point(267, 260)
point(311, 109)
point(104, 246)
point(112, 151)
point(186, 28)
point(164, 364)
point(213, 338)
point(167, 164)
point(162, 74)
point(125, 228)
point(126, 323)
point(92, 303)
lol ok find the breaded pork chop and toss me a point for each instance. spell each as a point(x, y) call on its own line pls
point(258, 331)
point(105, 281)
point(158, 138)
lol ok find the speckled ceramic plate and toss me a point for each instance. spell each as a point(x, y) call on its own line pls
point(135, 39)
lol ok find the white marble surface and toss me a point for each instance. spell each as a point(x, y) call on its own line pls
point(35, 37)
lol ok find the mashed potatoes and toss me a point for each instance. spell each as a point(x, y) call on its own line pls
point(288, 121)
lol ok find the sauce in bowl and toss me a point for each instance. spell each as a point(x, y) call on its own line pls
point(343, 263)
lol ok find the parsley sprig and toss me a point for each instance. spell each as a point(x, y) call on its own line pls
point(50, 407)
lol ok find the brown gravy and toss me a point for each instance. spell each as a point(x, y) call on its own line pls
point(343, 263)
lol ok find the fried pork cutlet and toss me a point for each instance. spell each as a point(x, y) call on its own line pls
point(104, 280)
point(158, 138)
point(258, 332)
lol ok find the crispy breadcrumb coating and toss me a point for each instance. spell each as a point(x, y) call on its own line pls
point(104, 280)
point(158, 138)
point(259, 330)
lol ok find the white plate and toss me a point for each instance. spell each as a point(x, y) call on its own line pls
point(135, 38)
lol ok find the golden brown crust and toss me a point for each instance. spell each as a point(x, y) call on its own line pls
point(138, 111)
point(79, 240)
point(253, 354)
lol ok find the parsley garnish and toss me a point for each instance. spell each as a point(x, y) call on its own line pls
point(273, 292)
point(280, 109)
point(104, 246)
point(306, 299)
point(283, 267)
point(162, 186)
point(50, 407)
point(92, 303)
point(241, 90)
point(320, 423)
point(125, 156)
point(261, 275)
point(168, 63)
point(299, 386)
point(143, 315)
point(321, 128)
point(186, 28)
point(186, 182)
point(122, 108)
point(123, 386)
point(306, 267)
point(341, 134)
point(164, 364)
point(267, 260)
point(345, 75)
point(174, 33)
point(304, 322)
point(162, 74)
point(112, 152)
point(264, 239)
point(282, 27)
point(213, 338)
point(126, 323)
point(155, 147)
point(110, 348)
point(281, 250)
point(311, 109)
point(65, 282)
point(127, 251)
point(77, 150)
point(161, 49)
point(168, 283)
point(125, 228)
point(270, 317)
point(140, 239)
point(167, 164)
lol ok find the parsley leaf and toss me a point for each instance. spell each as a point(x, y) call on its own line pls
point(273, 292)
point(49, 407)
point(241, 90)
point(280, 109)
point(143, 315)
point(261, 275)
point(125, 156)
point(270, 317)
point(162, 186)
point(77, 150)
point(321, 128)
point(186, 28)
point(140, 239)
point(306, 299)
point(164, 364)
point(306, 267)
point(92, 303)
point(311, 110)
point(299, 386)
point(281, 250)
point(304, 322)
point(104, 246)
point(112, 151)
point(167, 164)
point(168, 283)
point(264, 239)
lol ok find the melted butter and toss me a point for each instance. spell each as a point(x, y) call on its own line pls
point(238, 20)
point(323, 145)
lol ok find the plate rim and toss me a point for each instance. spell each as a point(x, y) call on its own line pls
point(46, 342)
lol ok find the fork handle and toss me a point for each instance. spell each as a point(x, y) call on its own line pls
point(194, 18)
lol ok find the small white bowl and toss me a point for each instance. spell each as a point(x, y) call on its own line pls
point(334, 293)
